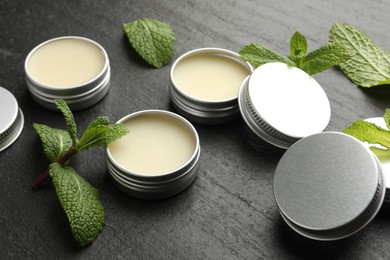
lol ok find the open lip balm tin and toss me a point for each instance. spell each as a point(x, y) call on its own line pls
point(159, 156)
point(282, 104)
point(72, 68)
point(205, 83)
point(11, 121)
point(328, 186)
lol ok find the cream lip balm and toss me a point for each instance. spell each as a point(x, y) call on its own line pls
point(157, 158)
point(209, 77)
point(72, 68)
point(205, 83)
point(67, 62)
point(157, 144)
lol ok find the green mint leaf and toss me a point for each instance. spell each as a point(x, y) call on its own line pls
point(380, 153)
point(98, 133)
point(257, 54)
point(370, 65)
point(80, 202)
point(55, 142)
point(152, 40)
point(369, 132)
point(101, 120)
point(69, 119)
point(325, 57)
point(386, 117)
point(298, 44)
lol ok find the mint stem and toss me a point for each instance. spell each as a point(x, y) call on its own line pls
point(38, 181)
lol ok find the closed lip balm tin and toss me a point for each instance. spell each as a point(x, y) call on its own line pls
point(72, 68)
point(159, 156)
point(282, 104)
point(328, 186)
point(205, 83)
point(11, 120)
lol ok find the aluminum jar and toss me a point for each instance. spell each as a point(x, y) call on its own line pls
point(11, 120)
point(159, 156)
point(72, 68)
point(205, 82)
point(329, 186)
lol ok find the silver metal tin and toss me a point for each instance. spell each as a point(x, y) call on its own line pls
point(204, 111)
point(282, 104)
point(159, 186)
point(385, 161)
point(328, 186)
point(11, 120)
point(78, 97)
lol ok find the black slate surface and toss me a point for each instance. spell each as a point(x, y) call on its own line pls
point(229, 212)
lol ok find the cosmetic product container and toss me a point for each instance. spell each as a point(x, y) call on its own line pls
point(282, 104)
point(205, 83)
point(72, 68)
point(159, 156)
point(11, 120)
point(328, 186)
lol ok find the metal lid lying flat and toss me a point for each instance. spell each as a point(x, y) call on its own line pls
point(328, 186)
point(283, 104)
point(11, 120)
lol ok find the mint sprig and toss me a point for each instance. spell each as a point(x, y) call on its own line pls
point(78, 198)
point(152, 40)
point(372, 134)
point(321, 59)
point(369, 65)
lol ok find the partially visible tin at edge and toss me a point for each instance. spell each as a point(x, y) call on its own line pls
point(11, 120)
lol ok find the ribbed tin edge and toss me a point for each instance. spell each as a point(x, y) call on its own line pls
point(257, 124)
point(13, 132)
point(77, 102)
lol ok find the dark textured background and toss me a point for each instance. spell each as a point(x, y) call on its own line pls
point(229, 212)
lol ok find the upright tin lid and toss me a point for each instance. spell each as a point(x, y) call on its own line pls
point(328, 186)
point(11, 120)
point(283, 104)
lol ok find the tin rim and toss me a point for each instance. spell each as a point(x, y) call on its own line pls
point(166, 175)
point(57, 89)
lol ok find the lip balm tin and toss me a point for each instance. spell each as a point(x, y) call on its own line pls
point(11, 120)
point(205, 109)
point(328, 186)
point(78, 95)
point(159, 184)
point(282, 104)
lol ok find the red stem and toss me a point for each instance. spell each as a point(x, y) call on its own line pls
point(38, 181)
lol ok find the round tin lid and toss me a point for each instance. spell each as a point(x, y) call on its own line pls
point(328, 186)
point(11, 120)
point(285, 102)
